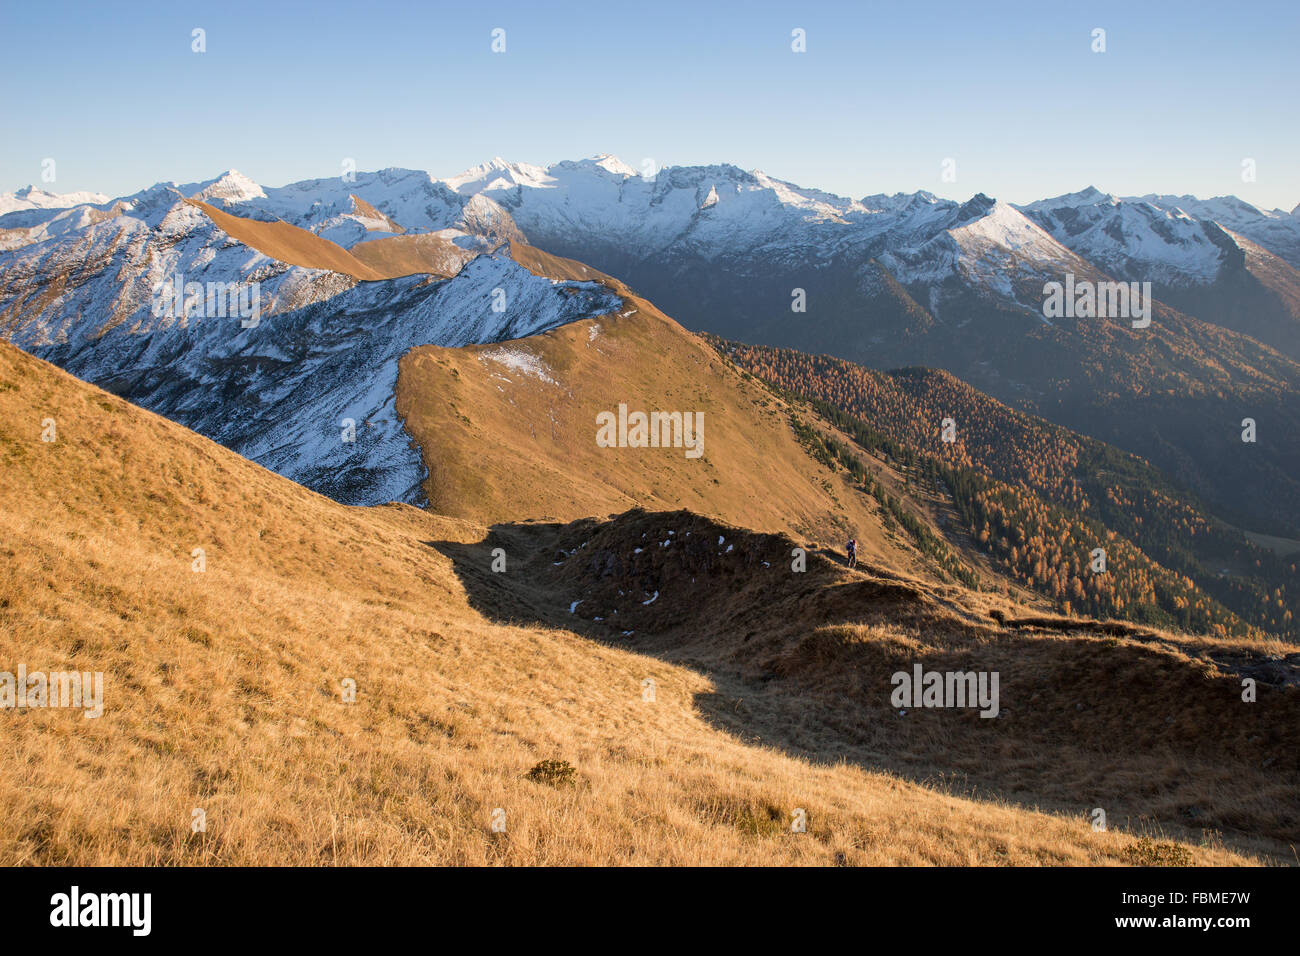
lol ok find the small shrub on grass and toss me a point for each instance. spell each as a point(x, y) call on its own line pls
point(1146, 852)
point(762, 822)
point(557, 773)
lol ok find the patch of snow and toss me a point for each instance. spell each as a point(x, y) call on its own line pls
point(521, 361)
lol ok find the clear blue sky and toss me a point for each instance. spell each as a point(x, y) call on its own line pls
point(885, 92)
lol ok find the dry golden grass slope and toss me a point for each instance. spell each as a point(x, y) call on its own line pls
point(387, 258)
point(508, 432)
point(289, 243)
point(414, 254)
point(222, 690)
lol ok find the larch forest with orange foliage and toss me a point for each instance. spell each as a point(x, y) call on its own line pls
point(1038, 499)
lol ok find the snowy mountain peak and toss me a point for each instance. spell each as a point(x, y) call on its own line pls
point(29, 197)
point(1152, 237)
point(497, 173)
point(483, 216)
point(1224, 209)
point(977, 207)
point(612, 164)
point(232, 185)
point(1088, 196)
point(1004, 225)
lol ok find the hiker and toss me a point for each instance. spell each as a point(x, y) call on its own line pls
point(853, 552)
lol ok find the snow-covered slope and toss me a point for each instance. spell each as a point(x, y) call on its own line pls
point(1276, 230)
point(409, 198)
point(1133, 237)
point(1195, 262)
point(325, 349)
point(712, 209)
point(997, 250)
point(498, 175)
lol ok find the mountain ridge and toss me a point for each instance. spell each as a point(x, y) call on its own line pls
point(889, 281)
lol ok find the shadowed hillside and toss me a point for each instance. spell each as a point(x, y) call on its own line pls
point(1146, 724)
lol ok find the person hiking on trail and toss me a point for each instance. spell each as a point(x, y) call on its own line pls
point(853, 552)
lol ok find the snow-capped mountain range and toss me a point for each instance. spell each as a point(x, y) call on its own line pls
point(886, 280)
point(720, 207)
point(604, 212)
point(29, 197)
point(662, 233)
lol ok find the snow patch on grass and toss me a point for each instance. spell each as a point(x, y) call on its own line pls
point(521, 361)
